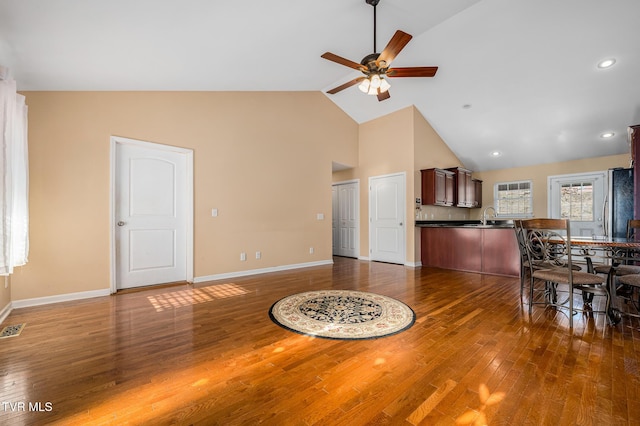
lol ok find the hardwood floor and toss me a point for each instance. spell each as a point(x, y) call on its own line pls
point(209, 354)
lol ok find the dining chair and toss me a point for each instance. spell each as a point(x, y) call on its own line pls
point(632, 282)
point(629, 265)
point(526, 265)
point(548, 244)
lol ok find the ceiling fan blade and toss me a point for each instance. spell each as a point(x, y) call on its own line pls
point(383, 95)
point(412, 72)
point(395, 45)
point(345, 85)
point(342, 61)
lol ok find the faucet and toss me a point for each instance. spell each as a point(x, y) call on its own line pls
point(484, 214)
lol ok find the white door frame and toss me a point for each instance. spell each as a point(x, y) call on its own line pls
point(357, 207)
point(403, 175)
point(114, 141)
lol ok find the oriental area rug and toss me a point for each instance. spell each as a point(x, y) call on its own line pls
point(342, 314)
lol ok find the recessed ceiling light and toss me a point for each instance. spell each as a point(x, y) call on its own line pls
point(496, 153)
point(607, 135)
point(606, 63)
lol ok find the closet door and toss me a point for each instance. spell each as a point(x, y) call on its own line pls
point(346, 224)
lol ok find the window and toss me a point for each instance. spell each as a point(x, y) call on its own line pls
point(513, 199)
point(14, 179)
point(576, 201)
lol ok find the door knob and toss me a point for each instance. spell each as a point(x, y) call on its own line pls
point(121, 223)
point(400, 223)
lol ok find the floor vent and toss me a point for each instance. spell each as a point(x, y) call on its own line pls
point(12, 330)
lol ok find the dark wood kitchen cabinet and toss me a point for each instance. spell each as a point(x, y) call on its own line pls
point(452, 248)
point(438, 187)
point(464, 187)
point(492, 251)
point(477, 193)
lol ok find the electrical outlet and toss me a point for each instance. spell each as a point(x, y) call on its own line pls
point(214, 212)
point(243, 256)
point(258, 255)
point(310, 250)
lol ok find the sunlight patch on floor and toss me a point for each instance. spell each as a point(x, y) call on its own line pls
point(193, 296)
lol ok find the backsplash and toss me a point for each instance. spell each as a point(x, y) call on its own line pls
point(441, 213)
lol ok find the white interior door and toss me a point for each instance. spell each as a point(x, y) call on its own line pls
point(346, 224)
point(152, 206)
point(580, 198)
point(387, 218)
point(335, 237)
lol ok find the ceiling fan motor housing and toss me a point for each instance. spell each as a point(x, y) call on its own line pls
point(371, 62)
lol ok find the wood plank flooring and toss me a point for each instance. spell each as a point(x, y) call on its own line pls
point(209, 354)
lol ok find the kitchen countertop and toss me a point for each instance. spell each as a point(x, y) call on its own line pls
point(493, 223)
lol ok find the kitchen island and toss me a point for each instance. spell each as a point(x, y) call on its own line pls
point(470, 246)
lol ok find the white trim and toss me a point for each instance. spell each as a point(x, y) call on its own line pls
point(25, 303)
point(413, 264)
point(237, 274)
point(4, 313)
point(189, 201)
point(367, 258)
point(344, 182)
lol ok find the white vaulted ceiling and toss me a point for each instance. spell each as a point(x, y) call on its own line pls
point(515, 76)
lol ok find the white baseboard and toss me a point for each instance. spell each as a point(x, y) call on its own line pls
point(37, 301)
point(409, 264)
point(237, 274)
point(4, 313)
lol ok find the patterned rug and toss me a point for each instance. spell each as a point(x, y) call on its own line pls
point(342, 314)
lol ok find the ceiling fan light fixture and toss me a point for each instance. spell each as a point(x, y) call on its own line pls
point(364, 86)
point(372, 90)
point(384, 85)
point(375, 81)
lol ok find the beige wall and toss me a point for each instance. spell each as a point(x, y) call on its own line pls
point(539, 173)
point(263, 159)
point(386, 147)
point(5, 293)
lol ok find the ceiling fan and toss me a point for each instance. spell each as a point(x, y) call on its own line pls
point(375, 66)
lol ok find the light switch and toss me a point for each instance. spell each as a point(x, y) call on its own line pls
point(214, 212)
point(320, 216)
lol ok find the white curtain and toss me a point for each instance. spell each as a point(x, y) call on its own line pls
point(14, 179)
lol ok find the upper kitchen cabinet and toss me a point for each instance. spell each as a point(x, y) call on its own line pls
point(464, 192)
point(438, 187)
point(477, 193)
